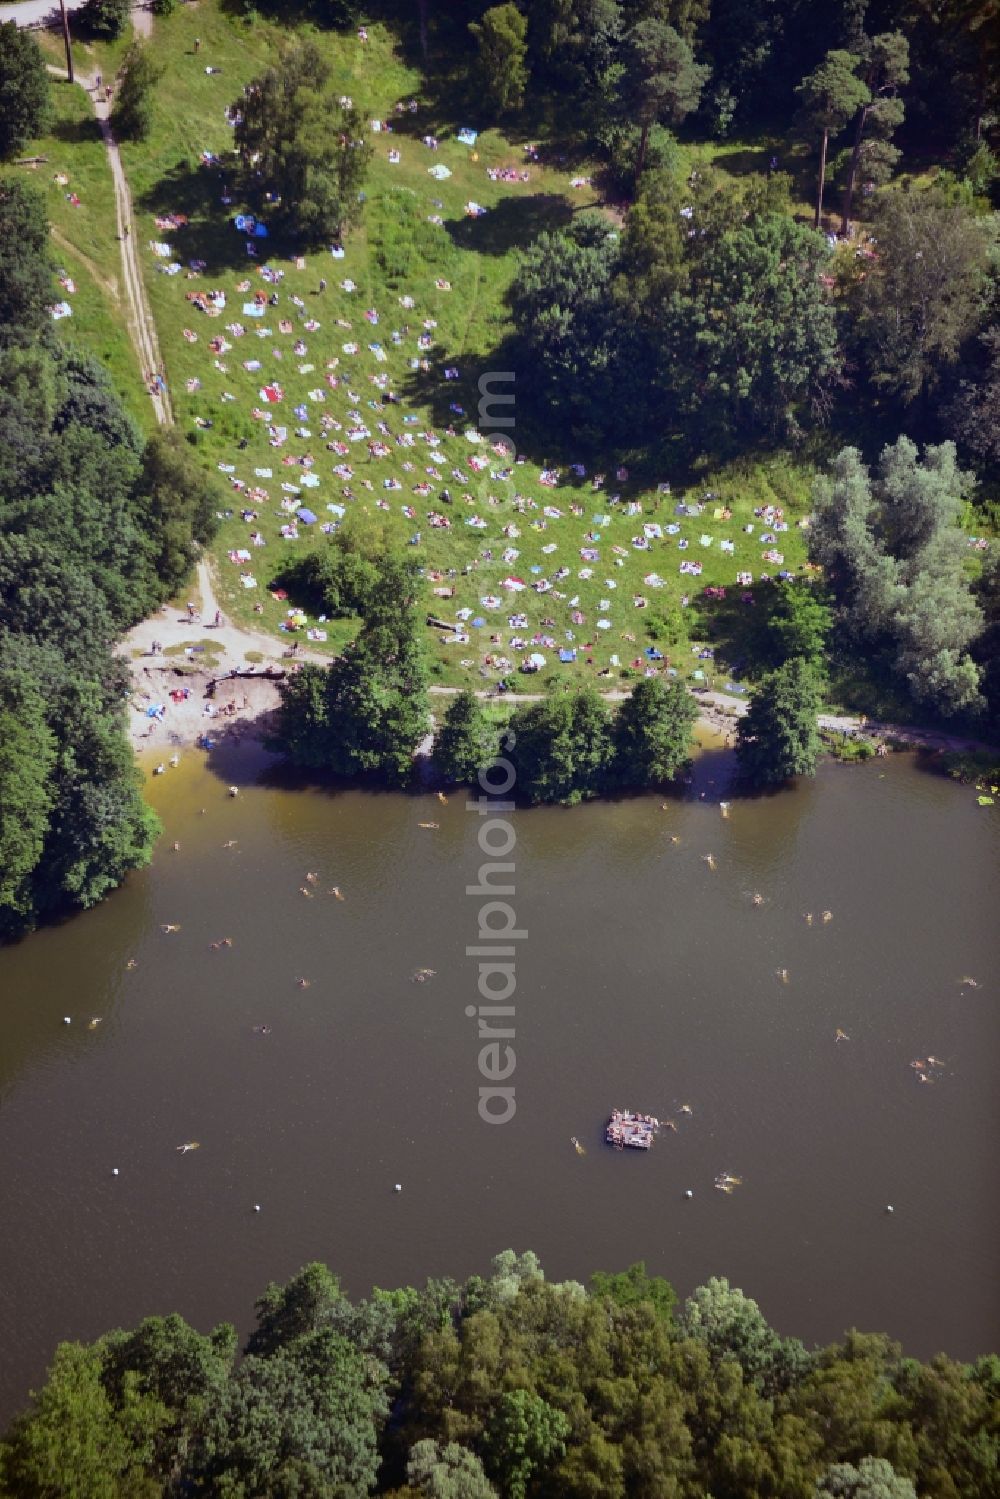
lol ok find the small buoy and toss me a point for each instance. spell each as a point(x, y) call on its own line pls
point(397, 1187)
point(689, 1193)
point(114, 1171)
point(890, 1208)
point(67, 1020)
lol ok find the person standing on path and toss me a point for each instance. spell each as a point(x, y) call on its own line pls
point(197, 45)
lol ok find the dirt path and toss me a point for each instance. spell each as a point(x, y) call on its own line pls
point(142, 329)
point(107, 284)
point(229, 647)
point(140, 316)
point(228, 643)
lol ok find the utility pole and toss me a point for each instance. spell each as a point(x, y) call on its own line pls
point(69, 50)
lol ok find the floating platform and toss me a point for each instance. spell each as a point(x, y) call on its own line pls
point(626, 1130)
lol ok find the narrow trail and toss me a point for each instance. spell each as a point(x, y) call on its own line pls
point(141, 327)
point(106, 283)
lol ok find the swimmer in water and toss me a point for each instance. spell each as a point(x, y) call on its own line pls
point(783, 975)
point(335, 891)
point(709, 859)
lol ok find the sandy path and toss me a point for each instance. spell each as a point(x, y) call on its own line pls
point(227, 646)
point(173, 627)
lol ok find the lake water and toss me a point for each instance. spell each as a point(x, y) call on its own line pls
point(647, 980)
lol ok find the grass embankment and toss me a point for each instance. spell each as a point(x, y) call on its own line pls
point(80, 200)
point(400, 253)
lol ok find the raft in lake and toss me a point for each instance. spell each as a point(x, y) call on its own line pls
point(628, 1130)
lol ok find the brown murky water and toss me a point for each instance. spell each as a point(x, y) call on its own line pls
point(648, 979)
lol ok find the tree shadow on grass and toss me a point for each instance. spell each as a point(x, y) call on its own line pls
point(476, 399)
point(77, 132)
point(744, 161)
point(209, 235)
point(734, 629)
point(513, 222)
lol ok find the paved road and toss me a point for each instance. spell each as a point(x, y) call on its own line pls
point(37, 12)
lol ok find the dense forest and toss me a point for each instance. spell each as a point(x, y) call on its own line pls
point(97, 527)
point(506, 1385)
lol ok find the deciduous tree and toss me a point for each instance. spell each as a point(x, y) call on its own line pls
point(652, 732)
point(132, 111)
point(562, 747)
point(24, 89)
point(301, 146)
point(466, 740)
point(777, 738)
point(26, 281)
point(27, 759)
point(179, 505)
point(926, 291)
point(502, 47)
point(447, 1471)
point(105, 19)
point(525, 1435)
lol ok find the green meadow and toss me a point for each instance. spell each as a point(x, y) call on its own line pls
point(374, 381)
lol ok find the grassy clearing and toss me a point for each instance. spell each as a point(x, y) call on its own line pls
point(503, 526)
point(81, 210)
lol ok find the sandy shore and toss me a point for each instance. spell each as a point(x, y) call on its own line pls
point(222, 707)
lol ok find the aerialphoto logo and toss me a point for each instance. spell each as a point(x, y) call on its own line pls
point(499, 933)
point(497, 926)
